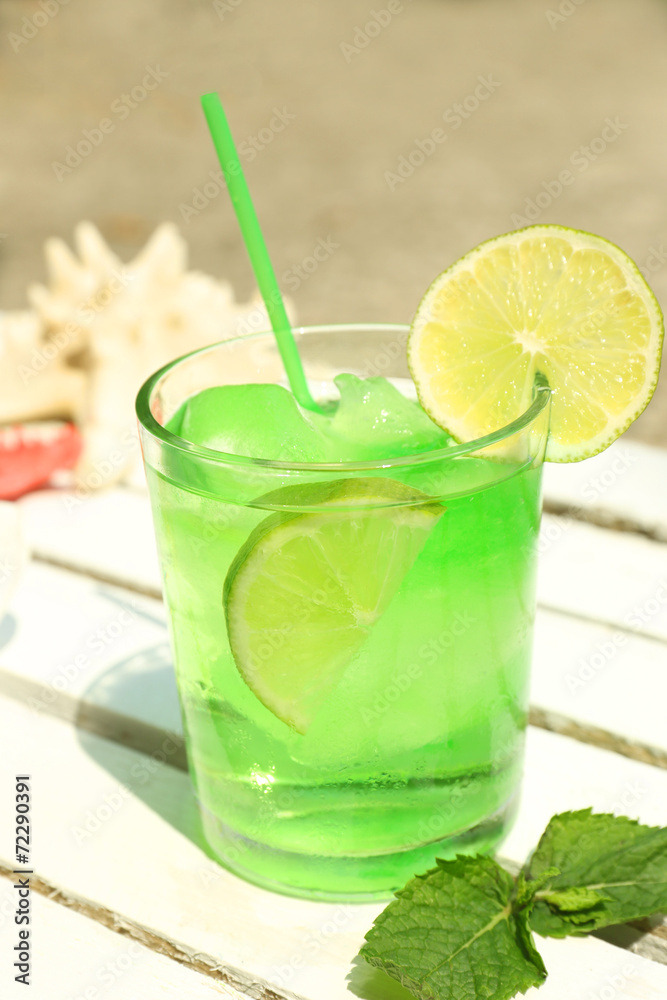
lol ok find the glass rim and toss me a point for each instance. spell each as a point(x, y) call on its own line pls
point(541, 396)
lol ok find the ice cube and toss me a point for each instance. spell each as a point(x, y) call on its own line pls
point(373, 420)
point(257, 421)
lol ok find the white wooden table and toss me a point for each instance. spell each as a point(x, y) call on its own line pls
point(126, 904)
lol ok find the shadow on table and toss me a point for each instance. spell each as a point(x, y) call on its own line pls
point(133, 705)
point(7, 629)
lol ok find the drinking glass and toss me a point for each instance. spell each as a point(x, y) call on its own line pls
point(412, 749)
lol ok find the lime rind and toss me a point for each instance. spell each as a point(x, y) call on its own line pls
point(590, 354)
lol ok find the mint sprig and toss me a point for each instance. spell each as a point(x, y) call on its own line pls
point(612, 869)
point(464, 929)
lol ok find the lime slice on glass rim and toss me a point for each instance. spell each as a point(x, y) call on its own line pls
point(305, 589)
point(545, 299)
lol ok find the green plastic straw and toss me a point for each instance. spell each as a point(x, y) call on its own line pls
point(256, 247)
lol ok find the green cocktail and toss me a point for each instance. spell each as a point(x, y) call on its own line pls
point(351, 603)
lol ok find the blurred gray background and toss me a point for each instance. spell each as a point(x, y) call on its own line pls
point(325, 98)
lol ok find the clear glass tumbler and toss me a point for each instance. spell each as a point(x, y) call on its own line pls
point(402, 741)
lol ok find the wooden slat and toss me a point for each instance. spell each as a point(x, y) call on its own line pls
point(623, 487)
point(67, 630)
point(75, 958)
point(108, 534)
point(610, 576)
point(139, 858)
point(601, 677)
point(93, 654)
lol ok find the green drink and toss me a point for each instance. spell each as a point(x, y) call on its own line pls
point(351, 619)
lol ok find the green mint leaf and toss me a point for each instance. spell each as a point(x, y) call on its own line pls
point(621, 862)
point(527, 944)
point(574, 900)
point(578, 908)
point(453, 932)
